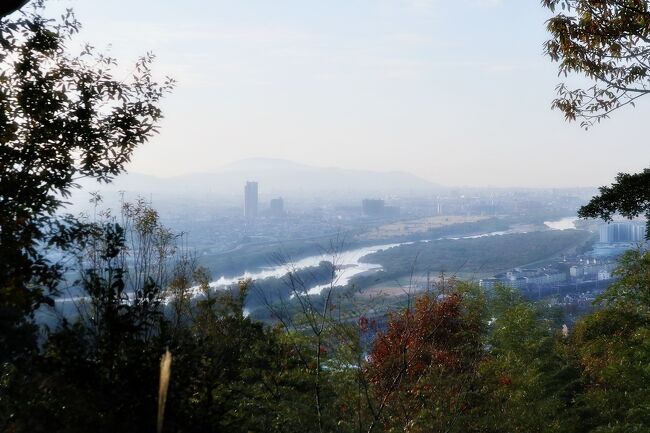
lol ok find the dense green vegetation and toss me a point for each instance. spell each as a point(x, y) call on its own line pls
point(273, 289)
point(250, 258)
point(62, 117)
point(485, 254)
point(628, 196)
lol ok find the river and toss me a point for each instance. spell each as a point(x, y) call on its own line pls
point(567, 223)
point(349, 263)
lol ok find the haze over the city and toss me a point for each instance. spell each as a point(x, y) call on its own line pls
point(457, 93)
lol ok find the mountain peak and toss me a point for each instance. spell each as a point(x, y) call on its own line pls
point(276, 176)
point(263, 164)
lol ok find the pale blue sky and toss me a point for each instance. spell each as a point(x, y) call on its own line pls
point(457, 92)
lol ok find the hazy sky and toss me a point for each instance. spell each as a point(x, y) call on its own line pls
point(457, 92)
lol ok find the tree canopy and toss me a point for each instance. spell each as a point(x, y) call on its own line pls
point(608, 42)
point(9, 6)
point(63, 117)
point(628, 196)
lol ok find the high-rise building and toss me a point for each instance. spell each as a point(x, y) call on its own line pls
point(622, 232)
point(250, 200)
point(277, 207)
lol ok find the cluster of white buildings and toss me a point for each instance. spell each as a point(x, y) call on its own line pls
point(523, 279)
point(578, 271)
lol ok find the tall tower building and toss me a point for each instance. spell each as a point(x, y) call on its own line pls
point(250, 200)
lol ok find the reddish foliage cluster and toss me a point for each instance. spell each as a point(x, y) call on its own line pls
point(366, 325)
point(505, 380)
point(425, 359)
point(417, 340)
point(363, 323)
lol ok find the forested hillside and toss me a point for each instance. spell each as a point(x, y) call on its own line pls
point(484, 254)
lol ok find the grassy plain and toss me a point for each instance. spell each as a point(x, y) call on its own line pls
point(418, 226)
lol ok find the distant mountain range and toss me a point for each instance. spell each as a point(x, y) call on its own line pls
point(275, 176)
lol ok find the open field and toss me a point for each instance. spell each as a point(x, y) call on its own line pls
point(422, 225)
